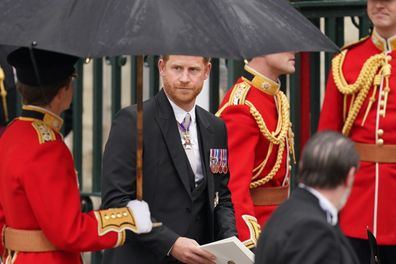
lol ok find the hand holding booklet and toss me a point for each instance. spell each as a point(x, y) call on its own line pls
point(230, 251)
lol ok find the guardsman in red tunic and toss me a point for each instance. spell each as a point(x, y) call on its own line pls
point(256, 114)
point(360, 101)
point(40, 214)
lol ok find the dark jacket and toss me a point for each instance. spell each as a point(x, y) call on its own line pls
point(298, 232)
point(167, 179)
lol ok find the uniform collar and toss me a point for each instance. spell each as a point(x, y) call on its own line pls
point(50, 119)
point(260, 81)
point(382, 43)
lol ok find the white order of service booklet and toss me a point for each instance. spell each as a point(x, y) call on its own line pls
point(230, 251)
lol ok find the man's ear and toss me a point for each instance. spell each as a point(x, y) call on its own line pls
point(350, 177)
point(61, 92)
point(161, 66)
point(208, 68)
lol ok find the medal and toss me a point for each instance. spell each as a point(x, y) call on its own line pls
point(224, 161)
point(216, 200)
point(217, 164)
point(212, 161)
point(185, 131)
point(218, 161)
point(187, 140)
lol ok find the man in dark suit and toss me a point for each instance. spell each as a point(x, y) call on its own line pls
point(185, 173)
point(304, 229)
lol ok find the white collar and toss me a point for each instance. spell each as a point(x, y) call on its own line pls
point(180, 113)
point(324, 203)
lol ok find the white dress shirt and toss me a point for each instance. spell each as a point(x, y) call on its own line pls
point(180, 114)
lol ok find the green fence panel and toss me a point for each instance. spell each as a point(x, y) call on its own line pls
point(153, 75)
point(97, 134)
point(214, 83)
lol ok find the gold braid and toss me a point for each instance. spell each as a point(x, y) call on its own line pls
point(361, 86)
point(274, 139)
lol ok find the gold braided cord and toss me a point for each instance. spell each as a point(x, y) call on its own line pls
point(360, 87)
point(257, 171)
point(365, 78)
point(274, 170)
point(275, 138)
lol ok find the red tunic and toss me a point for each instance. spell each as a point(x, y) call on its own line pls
point(248, 148)
point(371, 203)
point(38, 191)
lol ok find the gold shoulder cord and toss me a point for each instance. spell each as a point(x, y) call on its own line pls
point(278, 137)
point(373, 70)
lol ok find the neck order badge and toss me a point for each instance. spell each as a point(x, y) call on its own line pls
point(185, 130)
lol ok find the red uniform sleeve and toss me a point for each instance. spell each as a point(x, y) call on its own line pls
point(331, 116)
point(51, 188)
point(243, 137)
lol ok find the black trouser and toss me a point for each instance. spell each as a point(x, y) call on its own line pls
point(387, 254)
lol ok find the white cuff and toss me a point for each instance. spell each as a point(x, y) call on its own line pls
point(141, 213)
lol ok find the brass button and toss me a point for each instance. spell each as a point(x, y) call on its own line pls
point(382, 103)
point(119, 215)
point(113, 216)
point(107, 217)
point(380, 141)
point(381, 112)
point(380, 132)
point(125, 214)
point(266, 85)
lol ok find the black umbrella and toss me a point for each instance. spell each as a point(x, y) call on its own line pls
point(213, 28)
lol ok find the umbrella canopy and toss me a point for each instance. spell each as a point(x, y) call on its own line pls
point(213, 28)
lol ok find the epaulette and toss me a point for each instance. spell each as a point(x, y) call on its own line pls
point(354, 44)
point(44, 133)
point(238, 95)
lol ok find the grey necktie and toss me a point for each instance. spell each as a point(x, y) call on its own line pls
point(187, 141)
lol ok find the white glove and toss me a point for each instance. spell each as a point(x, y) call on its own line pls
point(141, 212)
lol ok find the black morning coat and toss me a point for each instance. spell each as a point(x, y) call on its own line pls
point(167, 180)
point(298, 232)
